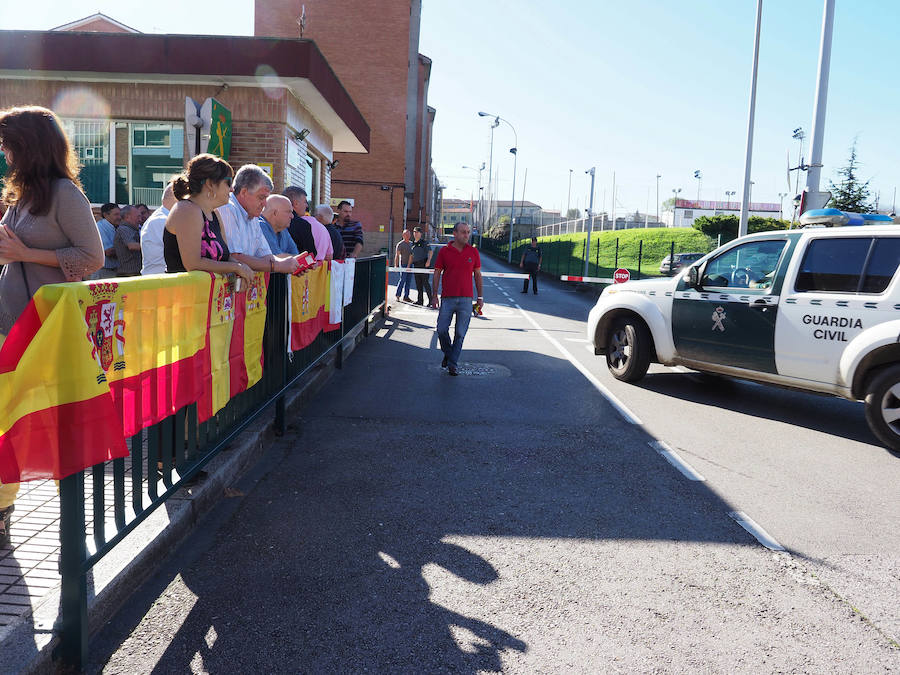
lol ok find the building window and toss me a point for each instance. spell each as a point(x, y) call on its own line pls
point(90, 139)
point(313, 187)
point(688, 214)
point(139, 158)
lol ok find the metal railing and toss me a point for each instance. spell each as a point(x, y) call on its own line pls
point(102, 505)
point(565, 255)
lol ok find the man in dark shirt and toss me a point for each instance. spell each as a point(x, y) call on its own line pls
point(421, 259)
point(531, 263)
point(299, 229)
point(351, 230)
point(127, 243)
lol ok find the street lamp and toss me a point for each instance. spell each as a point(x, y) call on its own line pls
point(480, 208)
point(515, 152)
point(781, 196)
point(728, 195)
point(658, 176)
point(587, 250)
point(569, 198)
point(699, 177)
point(494, 125)
point(675, 192)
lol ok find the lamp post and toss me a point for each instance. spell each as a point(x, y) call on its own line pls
point(748, 154)
point(728, 195)
point(781, 196)
point(675, 192)
point(515, 152)
point(587, 249)
point(658, 176)
point(569, 198)
point(494, 125)
point(699, 176)
point(479, 209)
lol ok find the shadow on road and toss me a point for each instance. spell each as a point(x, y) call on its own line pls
point(352, 553)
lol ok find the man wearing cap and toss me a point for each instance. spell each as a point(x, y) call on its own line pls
point(421, 259)
point(458, 263)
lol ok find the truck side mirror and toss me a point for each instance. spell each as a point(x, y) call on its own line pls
point(694, 276)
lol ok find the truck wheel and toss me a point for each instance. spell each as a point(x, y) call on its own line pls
point(883, 406)
point(628, 350)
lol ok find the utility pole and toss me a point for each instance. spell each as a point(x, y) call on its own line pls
point(614, 201)
point(658, 176)
point(815, 199)
point(569, 198)
point(748, 159)
point(587, 248)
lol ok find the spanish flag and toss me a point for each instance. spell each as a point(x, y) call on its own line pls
point(89, 364)
point(236, 324)
point(309, 306)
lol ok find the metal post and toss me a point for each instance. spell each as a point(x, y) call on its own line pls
point(748, 157)
point(73, 645)
point(658, 176)
point(591, 171)
point(640, 257)
point(814, 198)
point(617, 253)
point(671, 255)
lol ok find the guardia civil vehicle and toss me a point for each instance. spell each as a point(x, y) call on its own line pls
point(815, 309)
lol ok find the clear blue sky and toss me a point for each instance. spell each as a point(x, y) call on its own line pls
point(639, 88)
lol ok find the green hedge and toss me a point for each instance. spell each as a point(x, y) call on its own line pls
point(639, 250)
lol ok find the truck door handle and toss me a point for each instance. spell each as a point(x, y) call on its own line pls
point(759, 303)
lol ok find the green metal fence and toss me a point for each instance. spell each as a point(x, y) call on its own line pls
point(565, 254)
point(168, 455)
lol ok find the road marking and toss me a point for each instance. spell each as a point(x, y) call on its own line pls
point(681, 369)
point(675, 460)
point(589, 376)
point(753, 528)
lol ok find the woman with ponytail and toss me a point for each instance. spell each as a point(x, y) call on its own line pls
point(193, 238)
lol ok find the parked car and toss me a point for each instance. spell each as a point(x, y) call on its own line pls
point(681, 259)
point(812, 309)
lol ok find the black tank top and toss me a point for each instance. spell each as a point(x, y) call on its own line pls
point(212, 245)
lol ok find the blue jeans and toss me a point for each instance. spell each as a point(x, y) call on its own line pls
point(405, 284)
point(461, 307)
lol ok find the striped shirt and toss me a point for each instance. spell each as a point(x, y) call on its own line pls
point(352, 234)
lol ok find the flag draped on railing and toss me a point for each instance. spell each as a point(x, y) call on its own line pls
point(89, 364)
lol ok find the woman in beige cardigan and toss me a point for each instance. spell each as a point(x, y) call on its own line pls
point(48, 234)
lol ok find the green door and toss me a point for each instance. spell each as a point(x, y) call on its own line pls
point(730, 319)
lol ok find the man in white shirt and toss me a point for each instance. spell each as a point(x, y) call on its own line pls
point(239, 219)
point(152, 235)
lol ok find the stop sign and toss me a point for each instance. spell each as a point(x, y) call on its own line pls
point(621, 275)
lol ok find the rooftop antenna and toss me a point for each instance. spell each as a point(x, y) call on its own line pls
point(301, 22)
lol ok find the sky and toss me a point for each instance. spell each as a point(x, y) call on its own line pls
point(634, 89)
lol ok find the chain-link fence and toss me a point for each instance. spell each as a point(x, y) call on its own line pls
point(657, 253)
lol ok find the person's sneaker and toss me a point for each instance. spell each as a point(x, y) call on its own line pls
point(398, 298)
point(5, 522)
point(418, 302)
point(444, 362)
point(525, 291)
point(452, 370)
point(407, 299)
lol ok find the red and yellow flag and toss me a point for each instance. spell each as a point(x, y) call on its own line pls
point(309, 306)
point(89, 364)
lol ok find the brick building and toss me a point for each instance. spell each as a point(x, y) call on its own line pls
point(374, 51)
point(126, 115)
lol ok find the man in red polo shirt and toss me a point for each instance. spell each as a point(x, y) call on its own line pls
point(457, 263)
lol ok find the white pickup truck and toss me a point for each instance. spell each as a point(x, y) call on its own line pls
point(816, 309)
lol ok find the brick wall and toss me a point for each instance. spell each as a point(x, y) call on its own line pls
point(372, 64)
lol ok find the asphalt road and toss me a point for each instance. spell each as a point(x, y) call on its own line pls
point(513, 519)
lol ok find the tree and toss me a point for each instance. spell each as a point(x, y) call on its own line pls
point(572, 214)
point(668, 204)
point(726, 226)
point(851, 194)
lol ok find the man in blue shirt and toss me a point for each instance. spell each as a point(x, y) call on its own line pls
point(274, 221)
point(110, 217)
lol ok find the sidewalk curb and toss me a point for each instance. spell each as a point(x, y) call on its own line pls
point(28, 646)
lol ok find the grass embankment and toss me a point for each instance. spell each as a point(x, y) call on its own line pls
point(638, 249)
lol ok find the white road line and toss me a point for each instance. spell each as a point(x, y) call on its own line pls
point(753, 528)
point(589, 376)
point(675, 460)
